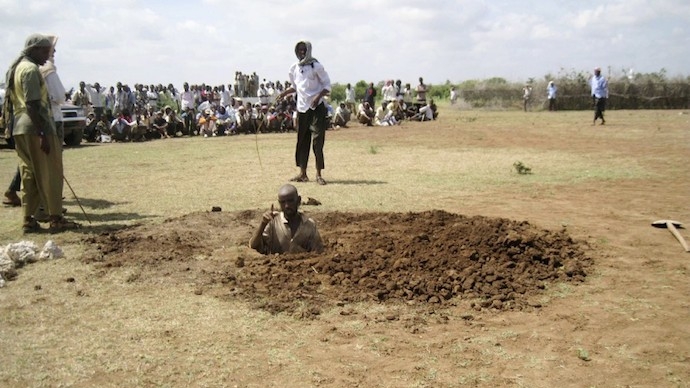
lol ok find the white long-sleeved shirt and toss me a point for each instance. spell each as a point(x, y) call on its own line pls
point(600, 87)
point(56, 93)
point(97, 98)
point(350, 95)
point(551, 91)
point(308, 81)
point(389, 93)
point(187, 100)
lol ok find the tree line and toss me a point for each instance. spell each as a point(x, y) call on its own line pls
point(627, 90)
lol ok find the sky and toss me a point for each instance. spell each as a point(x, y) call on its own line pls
point(207, 41)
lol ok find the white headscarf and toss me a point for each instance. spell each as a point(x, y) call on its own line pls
point(308, 59)
point(49, 67)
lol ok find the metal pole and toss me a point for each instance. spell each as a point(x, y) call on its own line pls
point(77, 198)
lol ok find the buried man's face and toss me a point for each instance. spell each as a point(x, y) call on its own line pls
point(289, 203)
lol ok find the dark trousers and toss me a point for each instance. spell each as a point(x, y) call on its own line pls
point(98, 112)
point(599, 108)
point(16, 184)
point(312, 129)
point(552, 104)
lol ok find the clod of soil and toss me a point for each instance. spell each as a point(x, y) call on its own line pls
point(432, 258)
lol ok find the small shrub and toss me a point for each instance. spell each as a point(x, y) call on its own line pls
point(521, 168)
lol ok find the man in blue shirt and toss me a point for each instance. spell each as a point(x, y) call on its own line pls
point(600, 93)
point(551, 91)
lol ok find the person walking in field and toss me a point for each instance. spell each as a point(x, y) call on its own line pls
point(526, 96)
point(551, 91)
point(600, 93)
point(311, 83)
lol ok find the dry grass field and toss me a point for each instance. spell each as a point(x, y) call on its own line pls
point(153, 291)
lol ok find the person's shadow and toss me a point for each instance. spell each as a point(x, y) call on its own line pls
point(356, 182)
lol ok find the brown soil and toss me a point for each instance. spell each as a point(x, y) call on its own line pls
point(429, 259)
point(553, 285)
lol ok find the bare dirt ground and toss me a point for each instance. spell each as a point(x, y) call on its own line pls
point(571, 287)
point(431, 260)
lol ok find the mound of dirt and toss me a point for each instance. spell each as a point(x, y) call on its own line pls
point(432, 258)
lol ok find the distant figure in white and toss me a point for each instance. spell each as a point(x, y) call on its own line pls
point(551, 91)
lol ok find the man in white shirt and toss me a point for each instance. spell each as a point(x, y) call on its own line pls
point(97, 99)
point(341, 116)
point(187, 107)
point(600, 93)
point(263, 95)
point(226, 95)
point(350, 98)
point(453, 95)
point(526, 96)
point(426, 113)
point(388, 92)
point(152, 98)
point(551, 91)
point(311, 82)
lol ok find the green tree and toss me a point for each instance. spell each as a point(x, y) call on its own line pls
point(337, 93)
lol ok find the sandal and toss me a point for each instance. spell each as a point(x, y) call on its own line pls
point(300, 178)
point(11, 199)
point(60, 224)
point(31, 226)
point(320, 181)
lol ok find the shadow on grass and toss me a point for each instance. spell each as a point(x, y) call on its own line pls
point(79, 216)
point(91, 203)
point(356, 182)
point(81, 145)
point(102, 218)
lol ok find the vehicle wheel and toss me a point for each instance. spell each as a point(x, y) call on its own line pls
point(74, 139)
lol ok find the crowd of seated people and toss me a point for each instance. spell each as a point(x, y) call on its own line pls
point(121, 113)
point(397, 104)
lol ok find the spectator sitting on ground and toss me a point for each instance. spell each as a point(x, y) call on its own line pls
point(102, 131)
point(366, 114)
point(121, 127)
point(90, 134)
point(160, 125)
point(207, 123)
point(253, 112)
point(284, 112)
point(397, 110)
point(142, 130)
point(224, 122)
point(426, 113)
point(384, 117)
point(244, 120)
point(175, 123)
point(231, 123)
point(341, 116)
point(262, 119)
point(273, 119)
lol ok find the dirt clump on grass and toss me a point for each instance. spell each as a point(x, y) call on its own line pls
point(430, 259)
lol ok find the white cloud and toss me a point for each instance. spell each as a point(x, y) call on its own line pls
point(158, 41)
